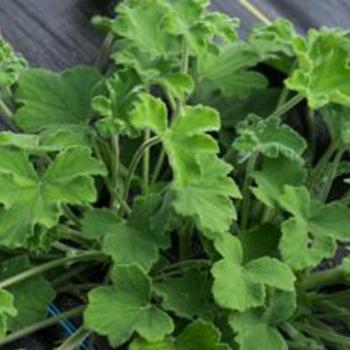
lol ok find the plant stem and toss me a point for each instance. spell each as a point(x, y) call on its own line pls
point(255, 11)
point(184, 236)
point(42, 324)
point(185, 57)
point(146, 161)
point(323, 278)
point(280, 111)
point(246, 191)
point(49, 266)
point(332, 175)
point(5, 109)
point(312, 133)
point(74, 341)
point(185, 263)
point(103, 54)
point(135, 161)
point(158, 167)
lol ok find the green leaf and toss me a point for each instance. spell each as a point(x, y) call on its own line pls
point(200, 335)
point(31, 297)
point(11, 65)
point(7, 309)
point(274, 175)
point(201, 184)
point(113, 107)
point(311, 234)
point(178, 84)
point(136, 240)
point(187, 295)
point(323, 70)
point(20, 141)
point(120, 310)
point(228, 70)
point(140, 344)
point(240, 287)
point(269, 137)
point(31, 199)
point(52, 100)
point(256, 328)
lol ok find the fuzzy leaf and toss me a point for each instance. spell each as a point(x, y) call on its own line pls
point(228, 70)
point(31, 199)
point(201, 185)
point(7, 309)
point(274, 175)
point(32, 307)
point(311, 234)
point(140, 344)
point(269, 137)
point(51, 100)
point(323, 70)
point(188, 295)
point(11, 65)
point(120, 310)
point(240, 287)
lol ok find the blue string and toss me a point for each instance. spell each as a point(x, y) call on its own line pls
point(68, 327)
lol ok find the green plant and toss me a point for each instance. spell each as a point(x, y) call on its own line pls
point(167, 191)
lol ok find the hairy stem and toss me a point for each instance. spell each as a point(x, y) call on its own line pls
point(320, 279)
point(282, 110)
point(42, 324)
point(255, 11)
point(74, 341)
point(311, 122)
point(103, 54)
point(146, 162)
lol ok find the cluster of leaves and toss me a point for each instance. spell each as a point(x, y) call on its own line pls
point(195, 216)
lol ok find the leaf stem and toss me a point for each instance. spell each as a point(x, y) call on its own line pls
point(255, 11)
point(74, 341)
point(282, 110)
point(103, 54)
point(49, 266)
point(5, 109)
point(323, 278)
point(246, 191)
point(146, 161)
point(135, 161)
point(158, 167)
point(42, 324)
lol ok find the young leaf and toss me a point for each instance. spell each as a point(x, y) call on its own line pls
point(187, 295)
point(120, 310)
point(32, 199)
point(228, 70)
point(240, 287)
point(323, 70)
point(269, 137)
point(257, 328)
point(311, 234)
point(7, 309)
point(201, 185)
point(51, 100)
point(11, 65)
point(31, 297)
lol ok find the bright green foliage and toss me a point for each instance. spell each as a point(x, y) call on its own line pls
point(187, 295)
point(31, 198)
point(52, 100)
point(240, 287)
point(323, 70)
point(113, 108)
point(269, 137)
point(202, 187)
point(256, 328)
point(31, 297)
point(311, 234)
point(7, 309)
point(120, 310)
point(228, 70)
point(274, 175)
point(11, 65)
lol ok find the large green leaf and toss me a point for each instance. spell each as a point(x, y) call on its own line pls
point(228, 70)
point(201, 184)
point(274, 174)
point(188, 295)
point(31, 199)
point(51, 99)
point(11, 65)
point(311, 234)
point(31, 297)
point(269, 137)
point(323, 72)
point(256, 328)
point(240, 287)
point(119, 310)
